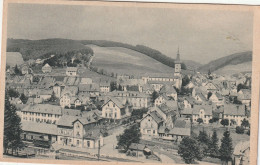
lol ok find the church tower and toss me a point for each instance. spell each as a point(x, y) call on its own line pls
point(177, 66)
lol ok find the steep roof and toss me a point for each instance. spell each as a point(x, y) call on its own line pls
point(116, 101)
point(168, 89)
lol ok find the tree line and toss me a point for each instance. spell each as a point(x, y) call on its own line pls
point(198, 147)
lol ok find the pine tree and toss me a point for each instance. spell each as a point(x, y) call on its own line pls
point(130, 135)
point(213, 145)
point(204, 141)
point(226, 148)
point(23, 98)
point(190, 150)
point(16, 70)
point(12, 127)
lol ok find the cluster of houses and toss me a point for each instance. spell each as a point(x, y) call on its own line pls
point(58, 110)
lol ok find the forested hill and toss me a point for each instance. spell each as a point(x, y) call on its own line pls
point(234, 59)
point(37, 48)
point(33, 49)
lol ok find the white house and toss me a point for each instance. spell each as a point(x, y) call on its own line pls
point(45, 113)
point(202, 111)
point(71, 71)
point(114, 109)
point(79, 132)
point(46, 68)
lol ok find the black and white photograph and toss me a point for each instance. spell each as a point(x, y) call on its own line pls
point(128, 83)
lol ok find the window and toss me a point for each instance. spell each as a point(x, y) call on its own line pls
point(88, 143)
point(77, 142)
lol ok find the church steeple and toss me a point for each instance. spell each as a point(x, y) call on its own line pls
point(178, 59)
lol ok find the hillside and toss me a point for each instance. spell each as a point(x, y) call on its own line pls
point(191, 65)
point(33, 49)
point(233, 69)
point(126, 61)
point(227, 62)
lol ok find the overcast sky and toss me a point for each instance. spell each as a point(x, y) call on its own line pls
point(201, 35)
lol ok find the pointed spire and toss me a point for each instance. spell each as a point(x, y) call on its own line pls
point(178, 56)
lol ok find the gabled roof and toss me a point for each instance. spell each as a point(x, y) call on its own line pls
point(46, 66)
point(155, 115)
point(168, 89)
point(117, 102)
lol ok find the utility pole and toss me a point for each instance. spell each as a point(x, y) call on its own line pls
point(98, 149)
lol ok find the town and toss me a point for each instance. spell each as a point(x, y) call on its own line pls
point(75, 112)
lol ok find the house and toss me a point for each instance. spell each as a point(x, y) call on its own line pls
point(25, 69)
point(169, 91)
point(217, 99)
point(211, 87)
point(150, 124)
point(147, 89)
point(237, 113)
point(57, 88)
point(46, 68)
point(157, 85)
point(81, 132)
point(202, 111)
point(42, 113)
point(175, 134)
point(45, 94)
point(136, 149)
point(39, 131)
point(136, 99)
point(161, 99)
point(71, 71)
point(104, 87)
point(244, 95)
point(188, 102)
point(92, 89)
point(241, 154)
point(155, 118)
point(200, 98)
point(114, 109)
point(65, 100)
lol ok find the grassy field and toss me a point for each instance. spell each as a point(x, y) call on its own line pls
point(13, 58)
point(122, 60)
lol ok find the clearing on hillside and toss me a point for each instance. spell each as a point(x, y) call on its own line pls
point(125, 61)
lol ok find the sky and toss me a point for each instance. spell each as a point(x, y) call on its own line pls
point(201, 35)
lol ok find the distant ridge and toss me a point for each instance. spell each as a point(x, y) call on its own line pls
point(33, 49)
point(234, 59)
